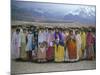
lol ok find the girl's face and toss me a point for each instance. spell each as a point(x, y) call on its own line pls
point(30, 32)
point(49, 30)
point(71, 32)
point(24, 31)
point(41, 30)
point(17, 31)
point(46, 30)
point(56, 30)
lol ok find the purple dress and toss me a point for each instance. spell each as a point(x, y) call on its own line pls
point(89, 42)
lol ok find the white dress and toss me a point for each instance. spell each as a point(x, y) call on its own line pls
point(40, 37)
point(16, 43)
point(78, 43)
point(13, 45)
point(66, 58)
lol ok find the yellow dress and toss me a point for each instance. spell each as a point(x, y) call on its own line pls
point(83, 38)
point(23, 54)
point(59, 53)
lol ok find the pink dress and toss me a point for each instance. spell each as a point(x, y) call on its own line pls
point(89, 42)
point(50, 49)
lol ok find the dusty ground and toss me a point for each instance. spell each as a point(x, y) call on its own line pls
point(29, 67)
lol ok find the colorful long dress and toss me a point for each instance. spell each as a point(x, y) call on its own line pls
point(78, 44)
point(66, 49)
point(94, 44)
point(41, 55)
point(71, 45)
point(59, 48)
point(29, 46)
point(59, 53)
point(29, 42)
point(50, 50)
point(33, 42)
point(16, 44)
point(23, 46)
point(36, 40)
point(83, 45)
point(89, 42)
point(63, 44)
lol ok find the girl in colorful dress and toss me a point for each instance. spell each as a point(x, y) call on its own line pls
point(50, 50)
point(66, 49)
point(16, 43)
point(41, 53)
point(59, 47)
point(71, 45)
point(29, 45)
point(23, 44)
point(83, 45)
point(78, 45)
point(89, 42)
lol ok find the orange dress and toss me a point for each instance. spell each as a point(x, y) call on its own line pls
point(72, 52)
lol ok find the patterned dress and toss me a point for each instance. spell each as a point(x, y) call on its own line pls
point(71, 45)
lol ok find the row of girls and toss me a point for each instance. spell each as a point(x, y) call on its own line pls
point(53, 44)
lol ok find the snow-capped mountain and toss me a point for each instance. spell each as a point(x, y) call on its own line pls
point(83, 15)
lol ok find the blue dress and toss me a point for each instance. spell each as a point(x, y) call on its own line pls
point(33, 45)
point(29, 42)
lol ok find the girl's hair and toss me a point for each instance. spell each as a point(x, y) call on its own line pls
point(17, 30)
point(29, 30)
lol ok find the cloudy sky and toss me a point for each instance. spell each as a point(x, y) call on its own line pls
point(52, 12)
